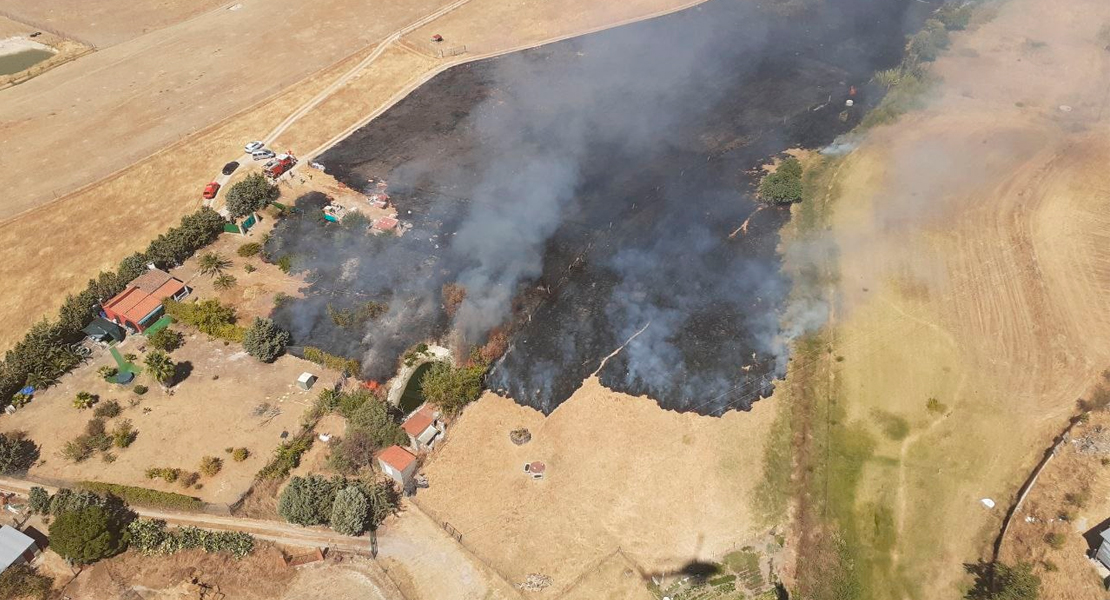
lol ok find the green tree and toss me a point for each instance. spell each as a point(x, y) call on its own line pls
point(159, 366)
point(785, 184)
point(382, 499)
point(21, 581)
point(350, 511)
point(212, 263)
point(308, 500)
point(251, 194)
point(17, 452)
point(264, 340)
point(87, 535)
point(39, 500)
point(999, 581)
point(166, 340)
point(452, 388)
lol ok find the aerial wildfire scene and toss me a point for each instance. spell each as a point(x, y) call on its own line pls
point(583, 300)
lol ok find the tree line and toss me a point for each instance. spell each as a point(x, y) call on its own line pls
point(47, 351)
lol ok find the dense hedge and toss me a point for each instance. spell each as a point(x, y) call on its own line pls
point(349, 366)
point(143, 496)
point(47, 352)
point(151, 537)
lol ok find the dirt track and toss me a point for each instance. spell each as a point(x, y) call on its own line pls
point(974, 270)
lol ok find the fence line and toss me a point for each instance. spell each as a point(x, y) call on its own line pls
point(1027, 487)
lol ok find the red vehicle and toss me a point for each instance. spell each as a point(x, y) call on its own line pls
point(280, 164)
point(210, 190)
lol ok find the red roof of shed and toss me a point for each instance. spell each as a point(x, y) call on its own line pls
point(418, 422)
point(397, 457)
point(142, 296)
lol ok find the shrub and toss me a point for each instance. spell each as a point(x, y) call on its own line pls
point(17, 452)
point(124, 434)
point(1056, 540)
point(168, 474)
point(189, 479)
point(249, 268)
point(373, 417)
point(249, 249)
point(308, 500)
point(285, 263)
point(357, 317)
point(453, 295)
point(145, 497)
point(208, 316)
point(225, 282)
point(287, 456)
point(240, 454)
point(87, 535)
point(152, 538)
point(210, 465)
point(353, 452)
point(108, 410)
point(166, 340)
point(264, 340)
point(784, 186)
point(349, 366)
point(1078, 499)
point(936, 406)
point(999, 581)
point(927, 44)
point(84, 400)
point(350, 511)
point(452, 388)
point(22, 581)
point(107, 372)
point(140, 389)
point(251, 194)
point(39, 500)
point(954, 15)
point(68, 500)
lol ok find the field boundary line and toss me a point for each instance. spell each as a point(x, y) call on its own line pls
point(423, 78)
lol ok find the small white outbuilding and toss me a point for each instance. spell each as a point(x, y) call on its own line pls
point(306, 381)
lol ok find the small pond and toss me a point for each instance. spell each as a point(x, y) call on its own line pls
point(24, 59)
point(413, 396)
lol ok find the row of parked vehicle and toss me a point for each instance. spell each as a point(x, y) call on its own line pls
point(258, 151)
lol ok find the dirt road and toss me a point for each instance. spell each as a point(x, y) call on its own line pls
point(273, 531)
point(123, 103)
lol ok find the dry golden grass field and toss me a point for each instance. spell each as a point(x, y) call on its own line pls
point(971, 292)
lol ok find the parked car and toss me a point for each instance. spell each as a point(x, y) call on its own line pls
point(210, 190)
point(253, 146)
point(262, 154)
point(230, 167)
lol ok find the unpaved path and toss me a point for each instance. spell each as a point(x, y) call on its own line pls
point(273, 531)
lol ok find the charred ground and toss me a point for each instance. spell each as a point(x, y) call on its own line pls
point(586, 189)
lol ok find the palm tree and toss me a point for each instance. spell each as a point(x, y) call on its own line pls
point(212, 263)
point(224, 282)
point(160, 367)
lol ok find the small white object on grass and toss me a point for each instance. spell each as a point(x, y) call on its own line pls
point(987, 502)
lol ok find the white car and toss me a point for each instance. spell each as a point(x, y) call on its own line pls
point(262, 154)
point(254, 146)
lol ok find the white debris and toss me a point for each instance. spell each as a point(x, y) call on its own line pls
point(987, 502)
point(1065, 108)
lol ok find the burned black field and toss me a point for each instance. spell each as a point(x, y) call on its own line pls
point(583, 193)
